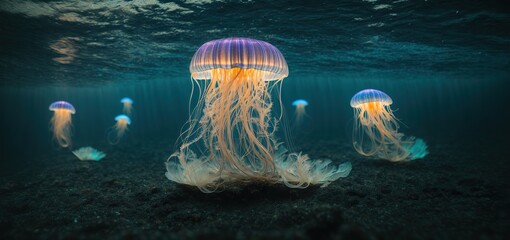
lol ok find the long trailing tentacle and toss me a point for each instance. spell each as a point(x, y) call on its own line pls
point(61, 127)
point(375, 133)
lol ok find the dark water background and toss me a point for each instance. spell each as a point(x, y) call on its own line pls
point(444, 64)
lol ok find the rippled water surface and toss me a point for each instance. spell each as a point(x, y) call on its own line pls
point(89, 42)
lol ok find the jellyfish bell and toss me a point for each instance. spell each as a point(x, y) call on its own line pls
point(370, 96)
point(119, 129)
point(61, 122)
point(375, 130)
point(300, 103)
point(123, 120)
point(126, 100)
point(62, 106)
point(245, 57)
point(230, 135)
point(127, 105)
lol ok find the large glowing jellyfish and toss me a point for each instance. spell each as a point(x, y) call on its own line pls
point(300, 105)
point(128, 105)
point(61, 122)
point(230, 137)
point(119, 129)
point(375, 131)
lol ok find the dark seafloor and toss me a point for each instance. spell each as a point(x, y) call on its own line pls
point(122, 197)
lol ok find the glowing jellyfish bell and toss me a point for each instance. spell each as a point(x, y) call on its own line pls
point(300, 105)
point(61, 122)
point(119, 129)
point(230, 134)
point(375, 131)
point(128, 105)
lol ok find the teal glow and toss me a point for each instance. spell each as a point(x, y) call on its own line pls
point(122, 116)
point(89, 153)
point(300, 102)
point(127, 100)
point(418, 149)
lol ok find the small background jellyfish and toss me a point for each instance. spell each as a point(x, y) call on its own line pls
point(375, 131)
point(300, 112)
point(128, 105)
point(119, 129)
point(61, 122)
point(230, 137)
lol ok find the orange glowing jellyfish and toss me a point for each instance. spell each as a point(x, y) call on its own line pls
point(61, 122)
point(230, 137)
point(375, 131)
point(119, 129)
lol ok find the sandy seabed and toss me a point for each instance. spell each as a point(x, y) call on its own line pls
point(457, 192)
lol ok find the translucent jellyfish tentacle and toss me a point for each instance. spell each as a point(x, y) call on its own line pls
point(61, 122)
point(374, 119)
point(236, 127)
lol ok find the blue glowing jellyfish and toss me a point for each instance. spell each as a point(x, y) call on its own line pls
point(231, 131)
point(61, 122)
point(300, 113)
point(375, 131)
point(119, 129)
point(128, 105)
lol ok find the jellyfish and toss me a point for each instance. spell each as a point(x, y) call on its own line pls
point(128, 105)
point(300, 105)
point(375, 131)
point(230, 134)
point(61, 122)
point(119, 129)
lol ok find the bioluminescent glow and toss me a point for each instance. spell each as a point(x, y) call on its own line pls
point(375, 131)
point(61, 122)
point(300, 113)
point(127, 105)
point(89, 153)
point(231, 130)
point(119, 129)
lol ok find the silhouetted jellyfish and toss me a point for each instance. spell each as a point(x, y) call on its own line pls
point(375, 131)
point(119, 129)
point(61, 122)
point(300, 105)
point(231, 130)
point(128, 105)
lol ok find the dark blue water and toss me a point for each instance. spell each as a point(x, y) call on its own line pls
point(445, 64)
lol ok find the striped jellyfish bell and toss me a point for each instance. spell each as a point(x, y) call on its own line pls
point(244, 53)
point(62, 105)
point(370, 95)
